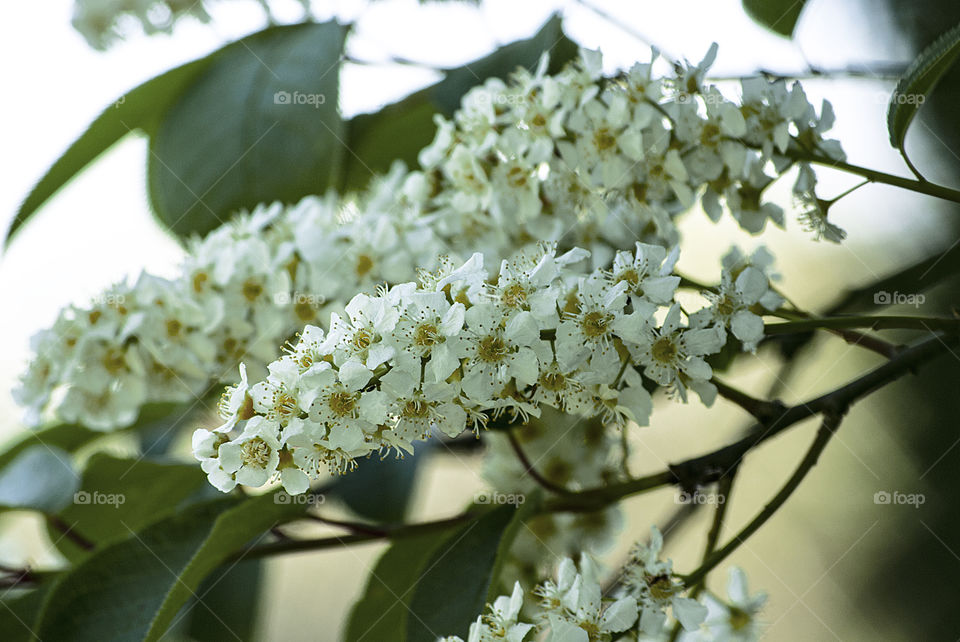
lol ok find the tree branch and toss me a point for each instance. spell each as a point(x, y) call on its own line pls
point(930, 324)
point(709, 468)
point(875, 176)
point(829, 426)
point(763, 411)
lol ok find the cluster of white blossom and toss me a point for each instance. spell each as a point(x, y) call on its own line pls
point(103, 22)
point(573, 608)
point(588, 159)
point(241, 292)
point(458, 348)
point(573, 158)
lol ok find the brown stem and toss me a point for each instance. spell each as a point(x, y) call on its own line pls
point(530, 470)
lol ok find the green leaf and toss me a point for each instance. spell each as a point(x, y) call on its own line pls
point(18, 615)
point(68, 437)
point(459, 577)
point(917, 82)
point(40, 478)
point(134, 588)
point(72, 437)
point(118, 495)
point(380, 489)
point(399, 131)
point(230, 603)
point(114, 593)
point(259, 124)
point(780, 16)
point(383, 609)
point(233, 530)
point(137, 110)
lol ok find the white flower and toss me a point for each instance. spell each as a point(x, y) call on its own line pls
point(734, 619)
point(647, 272)
point(736, 305)
point(252, 457)
point(502, 621)
point(234, 401)
point(362, 336)
point(813, 213)
point(587, 333)
point(672, 355)
point(651, 581)
point(497, 349)
point(427, 329)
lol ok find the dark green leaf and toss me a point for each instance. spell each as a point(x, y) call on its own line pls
point(259, 124)
point(455, 586)
point(399, 131)
point(133, 589)
point(137, 110)
point(40, 478)
point(68, 437)
point(233, 529)
point(780, 16)
point(114, 593)
point(917, 82)
point(118, 495)
point(383, 609)
point(71, 437)
point(18, 615)
point(230, 604)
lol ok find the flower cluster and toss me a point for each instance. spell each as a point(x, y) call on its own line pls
point(573, 607)
point(570, 609)
point(594, 158)
point(102, 22)
point(241, 292)
point(574, 158)
point(652, 582)
point(460, 347)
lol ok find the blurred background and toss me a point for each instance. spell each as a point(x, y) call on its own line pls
point(835, 564)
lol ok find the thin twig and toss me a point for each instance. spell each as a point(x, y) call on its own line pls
point(829, 426)
point(530, 470)
point(708, 468)
point(397, 532)
point(69, 532)
point(765, 412)
point(353, 527)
